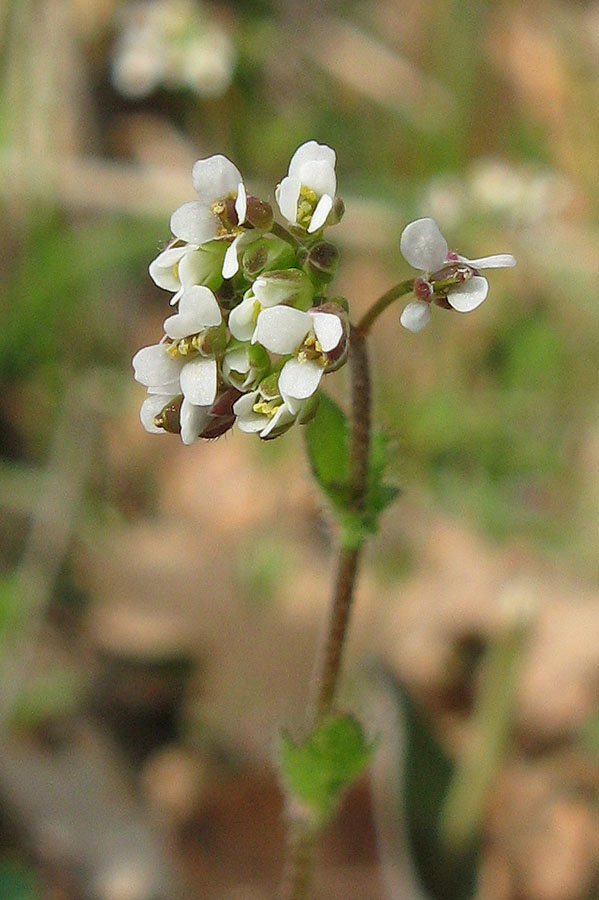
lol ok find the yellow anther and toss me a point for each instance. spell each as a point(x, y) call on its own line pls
point(267, 407)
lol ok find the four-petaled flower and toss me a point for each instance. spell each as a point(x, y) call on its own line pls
point(184, 368)
point(219, 213)
point(447, 278)
point(307, 193)
point(312, 337)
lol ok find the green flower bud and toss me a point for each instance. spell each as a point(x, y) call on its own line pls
point(289, 286)
point(320, 262)
point(211, 341)
point(267, 253)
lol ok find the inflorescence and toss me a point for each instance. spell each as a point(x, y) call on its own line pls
point(254, 331)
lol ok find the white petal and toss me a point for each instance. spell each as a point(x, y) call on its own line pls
point(151, 407)
point(299, 380)
point(154, 367)
point(236, 361)
point(416, 315)
point(193, 419)
point(162, 269)
point(467, 296)
point(282, 416)
point(243, 407)
point(242, 320)
point(319, 176)
point(319, 216)
point(423, 245)
point(241, 203)
point(198, 309)
point(198, 381)
point(214, 178)
point(194, 222)
point(281, 329)
point(274, 289)
point(230, 262)
point(248, 420)
point(499, 261)
point(287, 197)
point(328, 329)
point(311, 151)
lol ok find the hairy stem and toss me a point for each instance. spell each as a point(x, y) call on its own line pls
point(302, 838)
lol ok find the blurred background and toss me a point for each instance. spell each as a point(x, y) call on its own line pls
point(160, 605)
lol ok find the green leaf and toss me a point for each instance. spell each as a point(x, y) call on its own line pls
point(327, 438)
point(316, 771)
point(17, 882)
point(426, 777)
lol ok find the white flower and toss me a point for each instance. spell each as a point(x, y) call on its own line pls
point(257, 414)
point(444, 273)
point(291, 286)
point(183, 265)
point(155, 368)
point(306, 195)
point(216, 181)
point(167, 375)
point(310, 336)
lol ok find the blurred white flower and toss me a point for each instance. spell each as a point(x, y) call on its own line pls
point(446, 276)
point(174, 44)
point(307, 193)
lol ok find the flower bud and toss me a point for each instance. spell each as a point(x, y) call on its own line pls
point(211, 341)
point(228, 298)
point(259, 213)
point(337, 212)
point(267, 253)
point(289, 286)
point(222, 417)
point(320, 262)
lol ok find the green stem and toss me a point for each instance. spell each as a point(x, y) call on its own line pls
point(371, 315)
point(302, 837)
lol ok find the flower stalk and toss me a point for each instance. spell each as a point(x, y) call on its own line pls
point(303, 836)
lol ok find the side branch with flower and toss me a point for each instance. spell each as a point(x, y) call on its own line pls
point(253, 335)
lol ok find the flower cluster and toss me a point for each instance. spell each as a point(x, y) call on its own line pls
point(448, 280)
point(172, 44)
point(253, 332)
